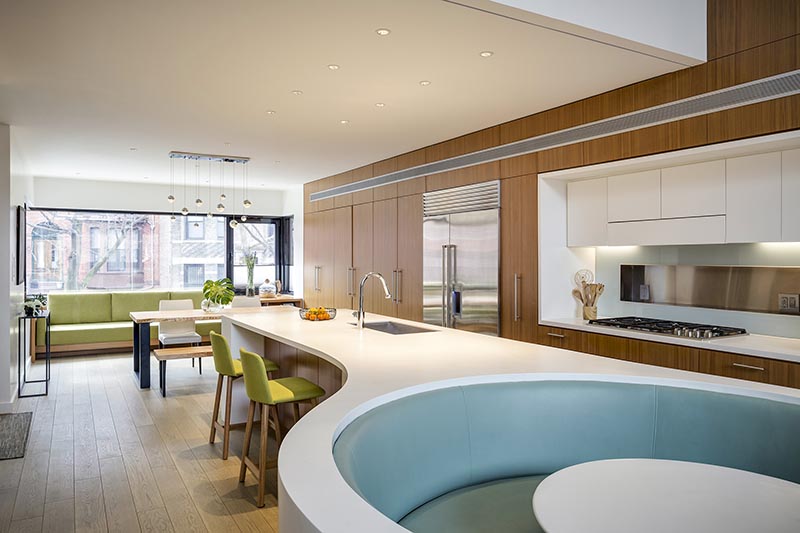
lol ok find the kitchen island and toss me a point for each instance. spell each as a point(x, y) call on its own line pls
point(378, 368)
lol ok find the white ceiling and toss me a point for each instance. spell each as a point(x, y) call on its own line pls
point(84, 81)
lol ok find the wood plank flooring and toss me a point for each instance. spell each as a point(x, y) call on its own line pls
point(105, 456)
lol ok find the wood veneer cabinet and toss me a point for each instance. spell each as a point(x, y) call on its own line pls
point(384, 254)
point(362, 251)
point(569, 339)
point(518, 272)
point(318, 264)
point(750, 368)
point(409, 257)
point(343, 277)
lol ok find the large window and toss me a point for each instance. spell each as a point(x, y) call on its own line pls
point(90, 250)
point(257, 237)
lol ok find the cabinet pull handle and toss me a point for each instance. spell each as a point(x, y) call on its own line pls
point(316, 278)
point(394, 286)
point(557, 335)
point(399, 287)
point(516, 297)
point(350, 281)
point(748, 367)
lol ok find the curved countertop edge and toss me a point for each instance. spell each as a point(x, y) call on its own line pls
point(378, 369)
point(753, 344)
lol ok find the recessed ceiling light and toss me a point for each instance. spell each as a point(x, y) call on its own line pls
point(297, 92)
point(77, 173)
point(132, 149)
point(227, 144)
point(383, 32)
point(487, 53)
point(380, 104)
point(424, 83)
point(262, 184)
point(344, 122)
point(147, 177)
point(270, 111)
point(333, 67)
point(277, 162)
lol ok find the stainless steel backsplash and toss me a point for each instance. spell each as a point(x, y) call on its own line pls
point(741, 288)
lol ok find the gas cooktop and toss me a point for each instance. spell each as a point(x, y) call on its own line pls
point(670, 327)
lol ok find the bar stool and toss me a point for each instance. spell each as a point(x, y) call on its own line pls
point(229, 369)
point(180, 331)
point(268, 394)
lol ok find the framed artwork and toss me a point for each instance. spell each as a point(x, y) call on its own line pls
point(21, 244)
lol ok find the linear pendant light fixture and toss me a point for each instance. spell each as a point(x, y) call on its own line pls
point(780, 86)
point(222, 160)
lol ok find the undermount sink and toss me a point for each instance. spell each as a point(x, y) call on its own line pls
point(396, 328)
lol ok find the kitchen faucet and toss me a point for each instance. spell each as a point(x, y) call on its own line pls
point(360, 313)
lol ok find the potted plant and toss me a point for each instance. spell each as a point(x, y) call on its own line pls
point(32, 306)
point(216, 294)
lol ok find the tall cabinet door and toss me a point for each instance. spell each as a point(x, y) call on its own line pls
point(325, 257)
point(310, 260)
point(384, 254)
point(362, 251)
point(518, 271)
point(409, 257)
point(343, 258)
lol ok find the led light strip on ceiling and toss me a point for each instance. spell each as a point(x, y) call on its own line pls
point(780, 86)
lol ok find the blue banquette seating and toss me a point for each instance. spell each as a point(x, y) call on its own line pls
point(468, 458)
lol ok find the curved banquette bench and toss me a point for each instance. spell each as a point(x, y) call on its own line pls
point(468, 458)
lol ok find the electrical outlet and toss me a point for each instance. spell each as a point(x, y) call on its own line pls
point(789, 304)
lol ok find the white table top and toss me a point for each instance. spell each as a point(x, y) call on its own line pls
point(655, 495)
point(380, 367)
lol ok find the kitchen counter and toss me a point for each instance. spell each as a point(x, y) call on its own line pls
point(380, 367)
point(782, 348)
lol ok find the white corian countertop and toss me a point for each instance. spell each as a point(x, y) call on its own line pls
point(380, 367)
point(783, 348)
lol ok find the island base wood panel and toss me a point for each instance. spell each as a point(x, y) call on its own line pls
point(294, 362)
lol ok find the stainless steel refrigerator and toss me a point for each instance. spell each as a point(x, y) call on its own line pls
point(461, 235)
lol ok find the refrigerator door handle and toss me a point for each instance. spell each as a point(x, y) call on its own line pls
point(516, 297)
point(445, 286)
point(316, 278)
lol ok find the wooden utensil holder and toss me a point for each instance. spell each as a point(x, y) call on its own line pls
point(589, 313)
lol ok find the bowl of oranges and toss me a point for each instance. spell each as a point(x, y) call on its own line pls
point(316, 314)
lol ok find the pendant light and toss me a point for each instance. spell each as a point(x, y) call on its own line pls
point(184, 209)
point(234, 223)
point(208, 181)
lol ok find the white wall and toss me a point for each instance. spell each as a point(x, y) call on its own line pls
point(15, 189)
point(677, 26)
point(68, 193)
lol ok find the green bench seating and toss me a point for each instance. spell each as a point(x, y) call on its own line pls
point(84, 321)
point(469, 458)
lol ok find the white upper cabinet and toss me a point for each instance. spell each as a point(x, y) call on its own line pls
point(634, 196)
point(753, 198)
point(790, 194)
point(586, 213)
point(693, 190)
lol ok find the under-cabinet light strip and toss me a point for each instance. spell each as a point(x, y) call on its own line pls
point(762, 90)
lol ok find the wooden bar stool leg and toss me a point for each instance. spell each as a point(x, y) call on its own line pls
point(296, 409)
point(248, 433)
point(226, 433)
point(215, 414)
point(262, 455)
point(277, 429)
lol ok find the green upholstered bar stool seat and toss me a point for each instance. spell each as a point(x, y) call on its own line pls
point(229, 369)
point(267, 394)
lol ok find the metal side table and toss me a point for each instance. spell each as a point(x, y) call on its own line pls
point(22, 367)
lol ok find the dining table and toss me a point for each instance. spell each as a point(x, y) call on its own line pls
point(141, 332)
point(660, 496)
